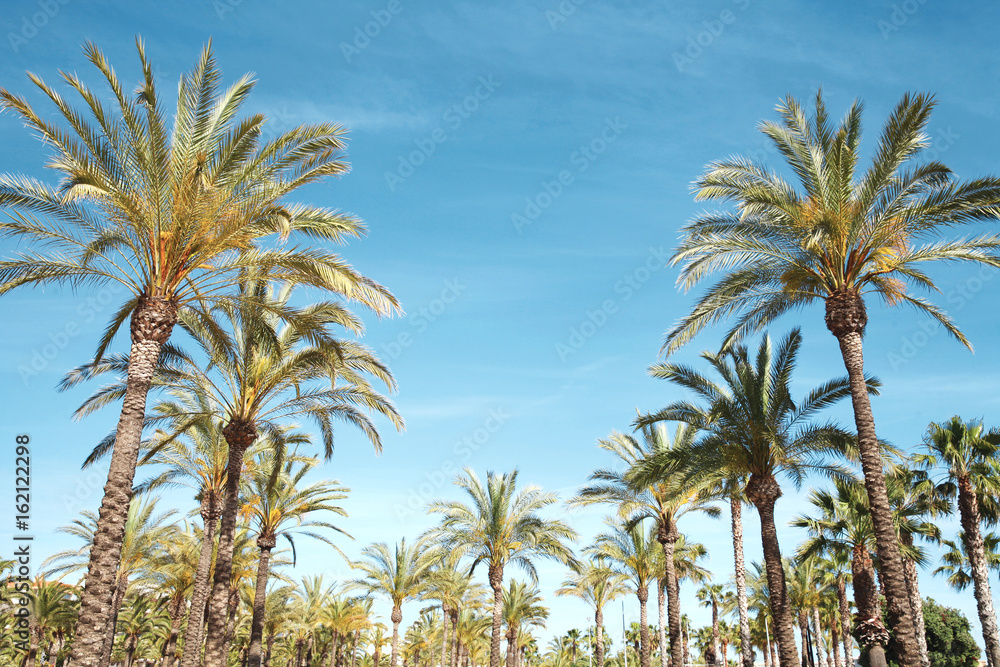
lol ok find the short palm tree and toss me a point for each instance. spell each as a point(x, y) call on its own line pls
point(51, 606)
point(173, 214)
point(280, 506)
point(665, 497)
point(632, 551)
point(522, 609)
point(955, 561)
point(750, 426)
point(597, 585)
point(144, 618)
point(399, 574)
point(501, 526)
point(966, 456)
point(144, 530)
point(839, 236)
point(710, 595)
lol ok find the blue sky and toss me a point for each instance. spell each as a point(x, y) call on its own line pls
point(524, 169)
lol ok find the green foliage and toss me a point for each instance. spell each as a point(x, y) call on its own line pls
point(949, 637)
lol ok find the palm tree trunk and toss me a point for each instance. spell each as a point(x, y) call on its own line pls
point(599, 633)
point(176, 616)
point(763, 492)
point(685, 648)
point(845, 621)
point(873, 637)
point(643, 595)
point(968, 508)
point(396, 618)
point(846, 319)
point(445, 622)
point(835, 645)
point(736, 512)
point(715, 627)
point(818, 639)
point(354, 649)
point(116, 605)
point(152, 322)
point(804, 632)
point(239, 436)
point(913, 588)
point(661, 585)
point(259, 597)
point(191, 656)
point(511, 647)
point(667, 537)
point(496, 583)
point(454, 637)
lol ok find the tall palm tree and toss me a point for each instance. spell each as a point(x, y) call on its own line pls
point(966, 455)
point(597, 585)
point(838, 237)
point(522, 608)
point(501, 526)
point(664, 497)
point(632, 551)
point(280, 506)
point(144, 530)
point(710, 595)
point(750, 426)
point(172, 214)
point(399, 574)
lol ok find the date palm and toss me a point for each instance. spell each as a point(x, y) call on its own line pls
point(665, 497)
point(502, 525)
point(51, 606)
point(399, 574)
point(631, 549)
point(174, 215)
point(597, 585)
point(750, 426)
point(278, 507)
point(711, 595)
point(522, 608)
point(966, 455)
point(837, 237)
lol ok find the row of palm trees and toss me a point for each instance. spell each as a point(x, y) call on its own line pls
point(194, 221)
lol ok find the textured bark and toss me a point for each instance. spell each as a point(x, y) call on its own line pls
point(845, 621)
point(846, 318)
point(396, 618)
point(254, 655)
point(176, 616)
point(917, 604)
point(109, 638)
point(873, 636)
point(239, 436)
point(496, 583)
point(685, 650)
point(804, 632)
point(736, 514)
point(444, 634)
point(599, 632)
point(512, 647)
point(715, 627)
point(643, 595)
point(193, 636)
point(660, 611)
point(152, 321)
point(667, 537)
point(821, 651)
point(454, 637)
point(835, 645)
point(763, 492)
point(968, 508)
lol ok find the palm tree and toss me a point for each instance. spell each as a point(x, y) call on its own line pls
point(955, 562)
point(665, 497)
point(502, 526)
point(173, 215)
point(632, 550)
point(967, 457)
point(837, 566)
point(597, 585)
point(837, 239)
point(521, 608)
point(455, 590)
point(145, 618)
point(172, 574)
point(51, 606)
point(261, 374)
point(398, 574)
point(144, 530)
point(710, 595)
point(751, 427)
point(279, 507)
